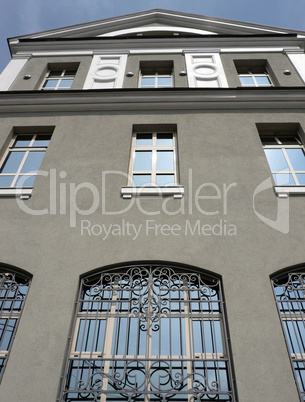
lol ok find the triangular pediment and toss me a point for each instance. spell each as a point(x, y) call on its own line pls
point(157, 22)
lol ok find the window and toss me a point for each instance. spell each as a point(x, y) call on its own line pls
point(22, 160)
point(13, 291)
point(59, 79)
point(155, 74)
point(289, 292)
point(253, 73)
point(285, 154)
point(153, 161)
point(149, 333)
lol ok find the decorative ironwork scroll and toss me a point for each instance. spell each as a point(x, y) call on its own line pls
point(149, 333)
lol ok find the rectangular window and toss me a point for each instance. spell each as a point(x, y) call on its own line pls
point(153, 165)
point(156, 74)
point(253, 73)
point(284, 151)
point(59, 79)
point(22, 160)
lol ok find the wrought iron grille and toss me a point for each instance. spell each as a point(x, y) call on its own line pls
point(148, 333)
point(289, 291)
point(13, 291)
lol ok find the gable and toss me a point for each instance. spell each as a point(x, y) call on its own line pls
point(157, 22)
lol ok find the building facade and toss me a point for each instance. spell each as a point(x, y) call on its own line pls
point(152, 183)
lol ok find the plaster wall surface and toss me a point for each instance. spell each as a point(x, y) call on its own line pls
point(220, 158)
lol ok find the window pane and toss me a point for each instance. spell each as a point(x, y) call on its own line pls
point(276, 160)
point(50, 84)
point(25, 181)
point(22, 141)
point(165, 139)
point(6, 181)
point(289, 140)
point(148, 81)
point(283, 179)
point(144, 139)
point(247, 81)
point(65, 83)
point(165, 81)
point(7, 328)
point(141, 180)
point(55, 73)
point(42, 141)
point(91, 335)
point(142, 160)
point(70, 73)
point(33, 162)
point(165, 180)
point(297, 158)
point(301, 178)
point(13, 162)
point(263, 80)
point(165, 160)
point(266, 140)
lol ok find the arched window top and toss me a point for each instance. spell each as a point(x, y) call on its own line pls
point(149, 333)
point(13, 291)
point(289, 293)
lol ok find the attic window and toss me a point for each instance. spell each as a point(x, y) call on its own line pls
point(253, 73)
point(156, 74)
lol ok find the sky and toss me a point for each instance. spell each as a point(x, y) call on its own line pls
point(22, 17)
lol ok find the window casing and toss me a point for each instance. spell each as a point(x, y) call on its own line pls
point(286, 158)
point(156, 74)
point(59, 79)
point(154, 163)
point(149, 333)
point(289, 292)
point(22, 160)
point(13, 291)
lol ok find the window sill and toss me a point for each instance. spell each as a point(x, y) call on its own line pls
point(175, 191)
point(23, 193)
point(284, 191)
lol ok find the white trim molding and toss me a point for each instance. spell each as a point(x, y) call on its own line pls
point(289, 190)
point(174, 191)
point(11, 71)
point(297, 58)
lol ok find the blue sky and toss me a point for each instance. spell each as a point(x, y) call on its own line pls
point(21, 17)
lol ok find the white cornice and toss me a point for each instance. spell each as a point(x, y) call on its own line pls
point(162, 100)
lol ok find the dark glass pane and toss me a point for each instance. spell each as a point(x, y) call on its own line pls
point(42, 141)
point(266, 140)
point(70, 73)
point(55, 73)
point(142, 160)
point(277, 160)
point(22, 141)
point(33, 162)
point(289, 140)
point(297, 158)
point(165, 139)
point(144, 139)
point(165, 160)
point(141, 180)
point(13, 162)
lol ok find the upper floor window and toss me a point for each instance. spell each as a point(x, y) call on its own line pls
point(13, 291)
point(156, 74)
point(22, 160)
point(59, 79)
point(149, 333)
point(253, 73)
point(286, 158)
point(289, 292)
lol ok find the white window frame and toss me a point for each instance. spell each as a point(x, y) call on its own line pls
point(59, 78)
point(291, 188)
point(156, 77)
point(23, 192)
point(254, 75)
point(153, 189)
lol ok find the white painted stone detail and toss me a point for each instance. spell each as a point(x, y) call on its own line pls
point(298, 60)
point(205, 70)
point(106, 71)
point(10, 73)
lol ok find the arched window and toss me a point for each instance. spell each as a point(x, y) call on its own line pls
point(289, 291)
point(13, 291)
point(149, 333)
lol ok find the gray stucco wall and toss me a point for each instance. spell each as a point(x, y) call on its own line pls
point(222, 148)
